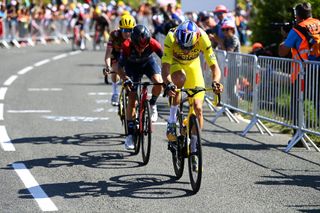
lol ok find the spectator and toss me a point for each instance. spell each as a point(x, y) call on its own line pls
point(297, 42)
point(144, 16)
point(221, 12)
point(258, 49)
point(230, 42)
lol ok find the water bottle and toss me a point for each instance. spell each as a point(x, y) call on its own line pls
point(184, 127)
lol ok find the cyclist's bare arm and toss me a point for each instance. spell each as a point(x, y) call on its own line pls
point(216, 73)
point(107, 57)
point(166, 73)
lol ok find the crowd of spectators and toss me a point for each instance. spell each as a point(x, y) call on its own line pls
point(27, 20)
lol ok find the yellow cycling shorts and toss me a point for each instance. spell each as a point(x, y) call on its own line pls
point(193, 72)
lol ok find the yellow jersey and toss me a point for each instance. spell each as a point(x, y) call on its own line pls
point(172, 51)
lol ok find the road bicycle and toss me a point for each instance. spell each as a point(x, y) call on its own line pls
point(188, 125)
point(123, 101)
point(143, 127)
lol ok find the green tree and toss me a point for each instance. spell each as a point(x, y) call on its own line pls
point(266, 12)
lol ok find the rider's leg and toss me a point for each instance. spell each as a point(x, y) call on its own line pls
point(153, 71)
point(178, 78)
point(130, 120)
point(82, 38)
point(114, 78)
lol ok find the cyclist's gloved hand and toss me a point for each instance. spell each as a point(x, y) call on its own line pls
point(107, 70)
point(169, 90)
point(217, 87)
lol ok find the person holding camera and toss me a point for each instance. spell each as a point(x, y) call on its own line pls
point(303, 40)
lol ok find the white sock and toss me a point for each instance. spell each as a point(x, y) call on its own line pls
point(173, 114)
point(114, 88)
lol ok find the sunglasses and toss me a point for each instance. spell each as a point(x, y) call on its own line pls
point(226, 29)
point(218, 13)
point(124, 30)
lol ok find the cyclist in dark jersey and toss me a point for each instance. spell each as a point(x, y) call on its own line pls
point(117, 37)
point(137, 60)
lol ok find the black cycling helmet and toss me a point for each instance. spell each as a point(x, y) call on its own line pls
point(140, 36)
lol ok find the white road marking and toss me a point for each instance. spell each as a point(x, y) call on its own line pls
point(102, 101)
point(100, 93)
point(160, 123)
point(44, 89)
point(44, 202)
point(1, 112)
point(75, 52)
point(10, 80)
point(5, 140)
point(76, 118)
point(98, 110)
point(113, 110)
point(28, 111)
point(59, 56)
point(41, 62)
point(25, 70)
point(3, 91)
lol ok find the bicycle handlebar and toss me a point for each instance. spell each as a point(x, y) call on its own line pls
point(108, 71)
point(193, 91)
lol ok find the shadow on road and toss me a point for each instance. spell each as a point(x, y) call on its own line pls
point(84, 139)
point(100, 159)
point(141, 186)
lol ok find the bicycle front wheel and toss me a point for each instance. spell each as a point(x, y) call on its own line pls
point(177, 150)
point(145, 133)
point(137, 134)
point(195, 158)
point(122, 110)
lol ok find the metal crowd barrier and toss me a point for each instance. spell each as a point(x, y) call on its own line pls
point(37, 30)
point(264, 89)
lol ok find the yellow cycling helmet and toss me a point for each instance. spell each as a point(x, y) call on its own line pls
point(125, 12)
point(127, 22)
point(97, 11)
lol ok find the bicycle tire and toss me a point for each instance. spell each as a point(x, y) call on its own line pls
point(177, 154)
point(106, 79)
point(122, 108)
point(146, 133)
point(195, 176)
point(136, 136)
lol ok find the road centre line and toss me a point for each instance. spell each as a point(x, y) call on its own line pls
point(5, 141)
point(40, 63)
point(10, 80)
point(44, 89)
point(44, 202)
point(160, 123)
point(59, 56)
point(29, 111)
point(25, 70)
point(3, 91)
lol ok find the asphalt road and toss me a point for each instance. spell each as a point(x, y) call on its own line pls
point(62, 149)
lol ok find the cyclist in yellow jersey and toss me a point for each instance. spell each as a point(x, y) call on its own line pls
point(181, 68)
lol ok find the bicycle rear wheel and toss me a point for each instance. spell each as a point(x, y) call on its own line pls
point(177, 147)
point(122, 110)
point(145, 133)
point(195, 158)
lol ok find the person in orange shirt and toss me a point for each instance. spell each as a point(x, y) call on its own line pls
point(297, 41)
